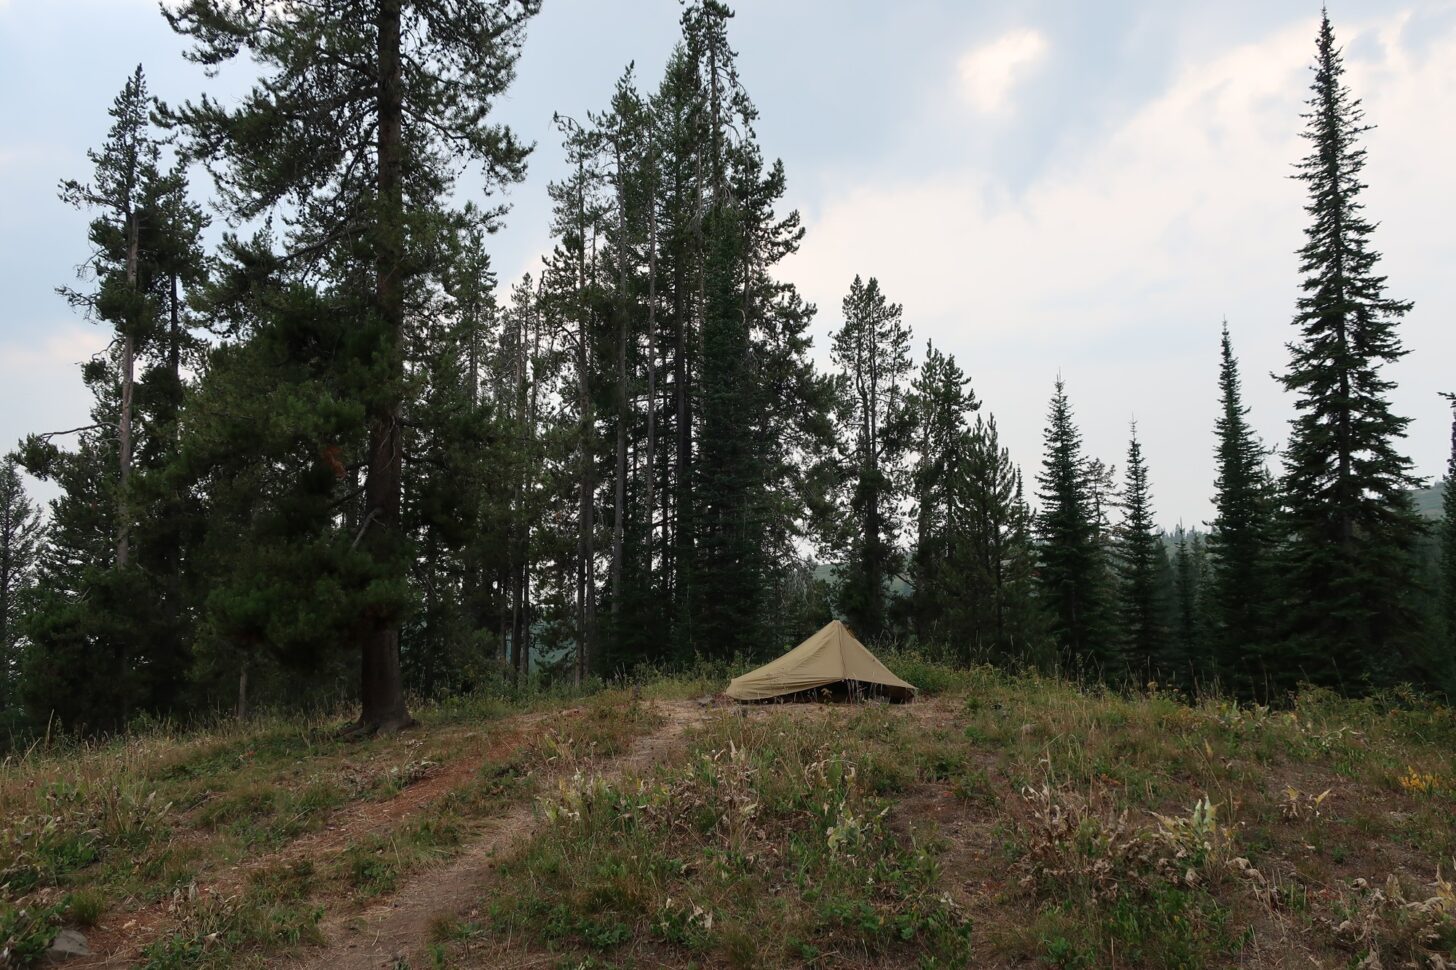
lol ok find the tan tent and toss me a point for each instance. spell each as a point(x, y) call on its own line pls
point(830, 658)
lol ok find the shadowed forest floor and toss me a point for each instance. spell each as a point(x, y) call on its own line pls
point(998, 821)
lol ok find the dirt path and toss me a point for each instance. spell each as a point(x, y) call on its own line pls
point(396, 931)
point(118, 943)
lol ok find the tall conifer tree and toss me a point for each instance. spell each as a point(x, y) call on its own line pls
point(20, 536)
point(360, 125)
point(1073, 567)
point(872, 350)
point(1241, 539)
point(941, 401)
point(1448, 543)
point(1350, 522)
point(1141, 562)
point(110, 631)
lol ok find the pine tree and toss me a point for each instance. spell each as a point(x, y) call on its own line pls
point(872, 350)
point(1350, 522)
point(360, 125)
point(1448, 543)
point(730, 474)
point(1185, 594)
point(115, 605)
point(1241, 540)
point(20, 539)
point(1140, 557)
point(941, 401)
point(996, 609)
point(125, 165)
point(1070, 553)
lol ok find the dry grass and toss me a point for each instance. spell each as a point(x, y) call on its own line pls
point(1003, 821)
point(199, 848)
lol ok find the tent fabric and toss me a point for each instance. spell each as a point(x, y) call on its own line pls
point(831, 656)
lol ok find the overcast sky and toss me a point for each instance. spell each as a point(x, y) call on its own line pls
point(1047, 187)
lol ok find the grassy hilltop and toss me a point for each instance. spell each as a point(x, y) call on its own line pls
point(1000, 820)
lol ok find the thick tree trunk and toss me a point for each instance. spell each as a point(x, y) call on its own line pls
point(381, 686)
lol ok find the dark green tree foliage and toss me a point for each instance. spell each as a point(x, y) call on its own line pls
point(941, 402)
point(749, 516)
point(1241, 541)
point(1190, 581)
point(575, 296)
point(451, 447)
point(1071, 557)
point(20, 544)
point(685, 372)
point(515, 541)
point(972, 568)
point(730, 547)
point(109, 632)
point(998, 610)
point(1349, 518)
point(360, 126)
point(272, 430)
point(872, 350)
point(1448, 546)
point(1141, 565)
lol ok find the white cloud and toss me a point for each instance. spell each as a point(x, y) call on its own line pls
point(42, 382)
point(987, 74)
point(1116, 265)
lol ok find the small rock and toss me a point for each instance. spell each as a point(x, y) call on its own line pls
point(67, 944)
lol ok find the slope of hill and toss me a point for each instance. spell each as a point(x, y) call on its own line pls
point(998, 821)
point(1428, 500)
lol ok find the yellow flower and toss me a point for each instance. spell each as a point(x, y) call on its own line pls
point(1422, 782)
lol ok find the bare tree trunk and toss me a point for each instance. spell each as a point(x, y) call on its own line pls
point(242, 709)
point(381, 683)
point(586, 551)
point(619, 492)
point(123, 421)
point(651, 381)
point(683, 477)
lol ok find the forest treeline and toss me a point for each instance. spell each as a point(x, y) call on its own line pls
point(332, 456)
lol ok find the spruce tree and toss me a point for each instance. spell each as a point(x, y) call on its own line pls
point(124, 167)
point(110, 632)
point(1140, 559)
point(1187, 632)
point(972, 569)
point(996, 609)
point(1448, 544)
point(358, 129)
point(872, 350)
point(20, 538)
point(1073, 567)
point(941, 402)
point(1241, 540)
point(1349, 518)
